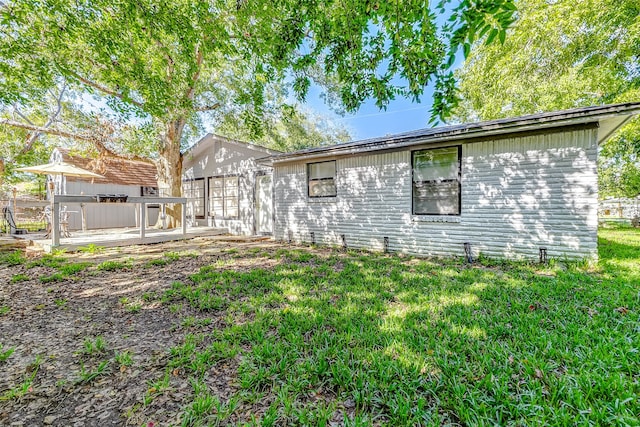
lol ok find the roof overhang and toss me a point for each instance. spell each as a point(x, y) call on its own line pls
point(607, 118)
point(209, 139)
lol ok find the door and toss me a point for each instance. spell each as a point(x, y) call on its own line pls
point(264, 205)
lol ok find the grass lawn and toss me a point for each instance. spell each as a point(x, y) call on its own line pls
point(414, 342)
point(317, 336)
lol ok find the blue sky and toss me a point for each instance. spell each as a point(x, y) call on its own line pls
point(400, 116)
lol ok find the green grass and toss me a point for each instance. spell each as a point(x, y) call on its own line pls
point(63, 269)
point(114, 265)
point(12, 258)
point(73, 268)
point(94, 346)
point(130, 306)
point(55, 277)
point(123, 358)
point(32, 225)
point(19, 278)
point(86, 375)
point(168, 258)
point(5, 354)
point(24, 387)
point(391, 340)
point(91, 248)
point(49, 260)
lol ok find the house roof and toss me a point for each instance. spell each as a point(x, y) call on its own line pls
point(114, 170)
point(608, 117)
point(211, 138)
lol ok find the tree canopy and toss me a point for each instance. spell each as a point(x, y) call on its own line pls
point(559, 54)
point(160, 65)
point(564, 54)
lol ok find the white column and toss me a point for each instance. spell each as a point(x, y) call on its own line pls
point(143, 219)
point(184, 219)
point(55, 223)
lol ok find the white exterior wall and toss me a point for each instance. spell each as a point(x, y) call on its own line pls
point(105, 215)
point(227, 158)
point(518, 194)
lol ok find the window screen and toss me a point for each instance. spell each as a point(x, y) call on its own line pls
point(322, 179)
point(436, 181)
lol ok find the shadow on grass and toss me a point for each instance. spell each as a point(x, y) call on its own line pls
point(417, 342)
point(609, 249)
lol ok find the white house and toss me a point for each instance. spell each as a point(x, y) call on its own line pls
point(506, 187)
point(227, 187)
point(121, 176)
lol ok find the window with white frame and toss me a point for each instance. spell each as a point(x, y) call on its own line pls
point(436, 181)
point(193, 190)
point(322, 179)
point(223, 197)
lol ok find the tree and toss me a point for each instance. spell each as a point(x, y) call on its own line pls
point(563, 54)
point(290, 130)
point(20, 145)
point(559, 54)
point(619, 164)
point(161, 66)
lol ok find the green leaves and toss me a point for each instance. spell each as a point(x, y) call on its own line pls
point(158, 67)
point(150, 57)
point(558, 55)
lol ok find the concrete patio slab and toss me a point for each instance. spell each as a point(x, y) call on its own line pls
point(115, 237)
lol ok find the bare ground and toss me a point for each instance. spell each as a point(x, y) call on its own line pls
point(47, 325)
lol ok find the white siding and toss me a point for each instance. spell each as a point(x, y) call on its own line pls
point(218, 157)
point(105, 215)
point(518, 194)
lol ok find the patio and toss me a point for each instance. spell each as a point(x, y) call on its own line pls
point(115, 237)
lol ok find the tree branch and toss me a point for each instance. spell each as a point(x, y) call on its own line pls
point(22, 116)
point(108, 152)
point(196, 75)
point(48, 131)
point(107, 91)
point(98, 143)
point(34, 136)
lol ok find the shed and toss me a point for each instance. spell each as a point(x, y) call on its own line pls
point(505, 187)
point(121, 176)
point(227, 187)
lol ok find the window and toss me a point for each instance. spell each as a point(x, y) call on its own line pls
point(322, 179)
point(193, 190)
point(223, 197)
point(436, 181)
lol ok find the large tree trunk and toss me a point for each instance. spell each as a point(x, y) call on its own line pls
point(169, 167)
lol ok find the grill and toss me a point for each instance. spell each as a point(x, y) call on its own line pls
point(111, 198)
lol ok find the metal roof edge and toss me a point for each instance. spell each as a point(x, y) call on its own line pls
point(467, 131)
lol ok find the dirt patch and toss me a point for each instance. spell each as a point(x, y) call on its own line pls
point(71, 337)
